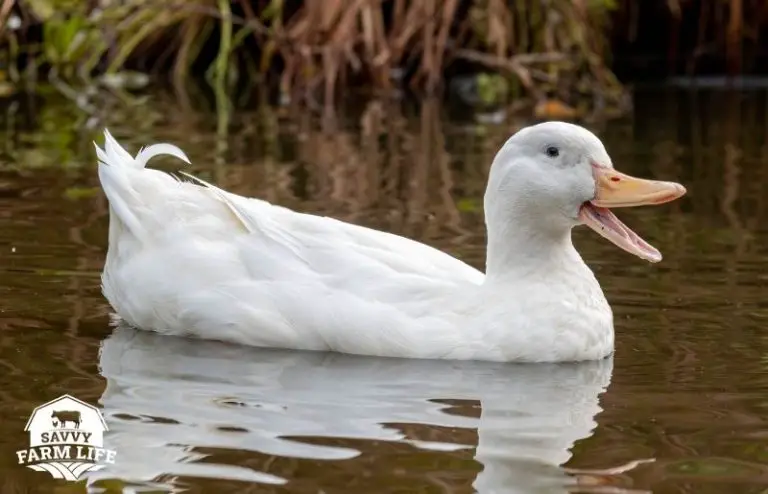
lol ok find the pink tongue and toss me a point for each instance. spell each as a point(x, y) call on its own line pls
point(604, 222)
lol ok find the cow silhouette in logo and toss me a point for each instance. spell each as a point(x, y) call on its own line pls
point(59, 418)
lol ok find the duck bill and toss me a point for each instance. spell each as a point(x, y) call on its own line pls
point(615, 190)
point(618, 190)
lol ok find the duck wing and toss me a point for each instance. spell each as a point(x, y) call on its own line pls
point(191, 258)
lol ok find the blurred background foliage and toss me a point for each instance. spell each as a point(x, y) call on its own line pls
point(557, 54)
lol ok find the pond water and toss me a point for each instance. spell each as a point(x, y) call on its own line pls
point(681, 407)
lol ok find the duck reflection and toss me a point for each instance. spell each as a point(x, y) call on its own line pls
point(168, 398)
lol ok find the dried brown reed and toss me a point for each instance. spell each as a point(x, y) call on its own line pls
point(543, 48)
point(319, 44)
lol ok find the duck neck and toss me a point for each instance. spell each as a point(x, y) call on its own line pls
point(523, 248)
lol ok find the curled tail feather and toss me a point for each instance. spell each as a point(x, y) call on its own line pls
point(114, 154)
point(117, 173)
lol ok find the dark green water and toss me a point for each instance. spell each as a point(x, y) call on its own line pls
point(687, 388)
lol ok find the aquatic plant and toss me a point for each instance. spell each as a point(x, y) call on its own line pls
point(547, 49)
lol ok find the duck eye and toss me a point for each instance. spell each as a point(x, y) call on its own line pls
point(552, 152)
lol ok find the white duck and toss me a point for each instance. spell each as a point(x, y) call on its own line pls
point(189, 259)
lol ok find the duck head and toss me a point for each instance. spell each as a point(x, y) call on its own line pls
point(553, 176)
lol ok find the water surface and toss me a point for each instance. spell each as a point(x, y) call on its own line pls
point(687, 387)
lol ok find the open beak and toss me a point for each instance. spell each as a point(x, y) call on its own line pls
point(616, 190)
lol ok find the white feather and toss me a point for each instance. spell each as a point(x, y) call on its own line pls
point(146, 154)
point(192, 259)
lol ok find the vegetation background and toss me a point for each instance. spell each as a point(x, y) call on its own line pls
point(556, 54)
